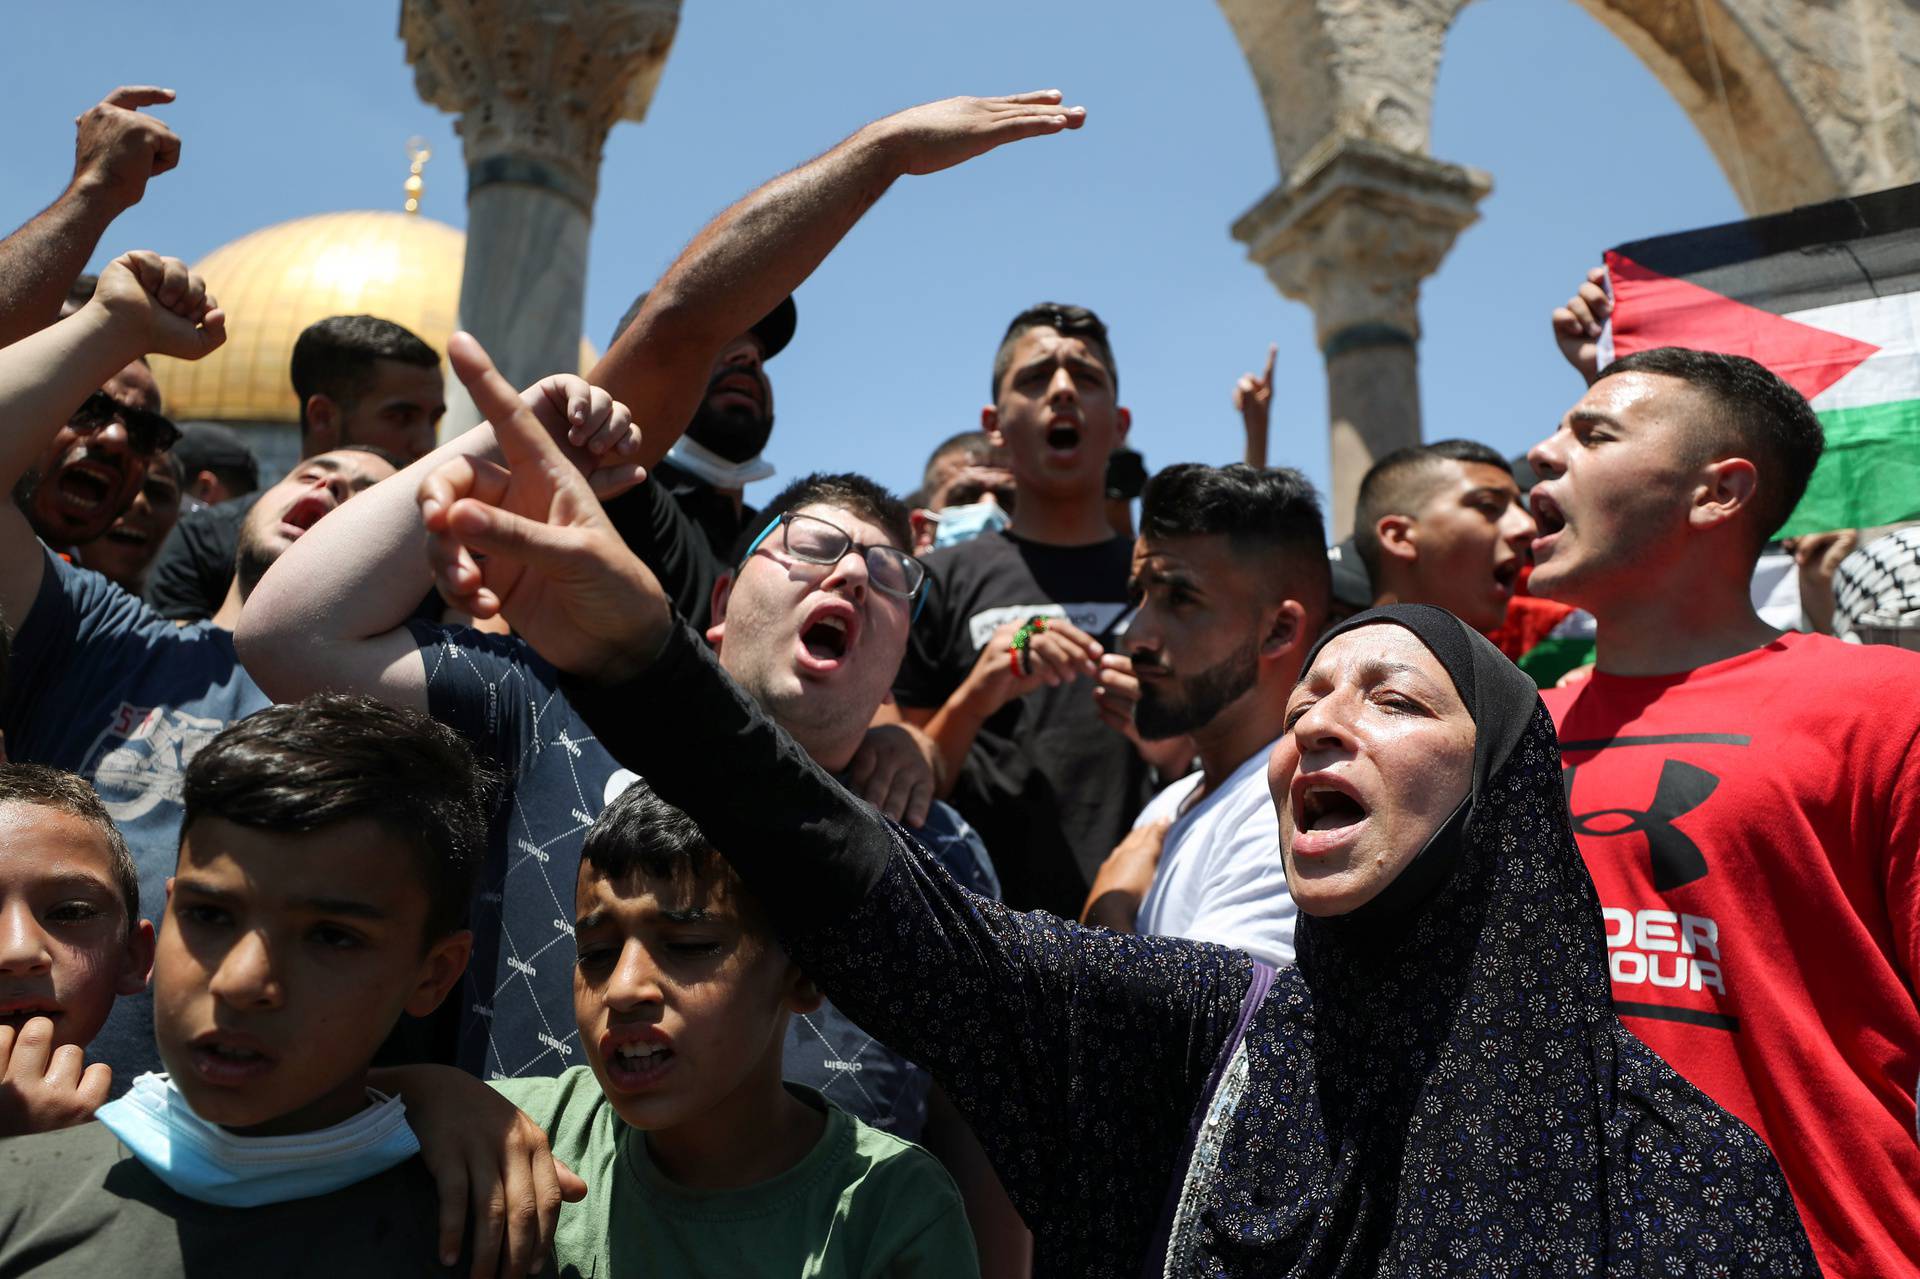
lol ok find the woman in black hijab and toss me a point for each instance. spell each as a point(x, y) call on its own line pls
point(1439, 1086)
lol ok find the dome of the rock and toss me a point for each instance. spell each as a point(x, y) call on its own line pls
point(274, 282)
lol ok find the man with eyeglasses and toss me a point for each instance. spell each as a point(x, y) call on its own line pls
point(811, 623)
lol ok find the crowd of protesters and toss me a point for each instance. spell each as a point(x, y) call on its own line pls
point(562, 862)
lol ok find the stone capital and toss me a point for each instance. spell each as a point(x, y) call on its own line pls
point(1354, 232)
point(538, 83)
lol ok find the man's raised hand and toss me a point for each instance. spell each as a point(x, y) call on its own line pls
point(119, 148)
point(1577, 325)
point(939, 135)
point(161, 306)
point(528, 541)
point(1253, 399)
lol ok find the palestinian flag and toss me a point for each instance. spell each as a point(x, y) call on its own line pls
point(1828, 297)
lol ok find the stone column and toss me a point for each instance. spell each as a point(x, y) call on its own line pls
point(1352, 235)
point(537, 84)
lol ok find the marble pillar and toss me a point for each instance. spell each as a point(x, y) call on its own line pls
point(537, 85)
point(1352, 234)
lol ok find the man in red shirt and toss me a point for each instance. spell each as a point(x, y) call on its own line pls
point(1743, 797)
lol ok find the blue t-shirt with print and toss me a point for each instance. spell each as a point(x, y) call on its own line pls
point(516, 1004)
point(103, 686)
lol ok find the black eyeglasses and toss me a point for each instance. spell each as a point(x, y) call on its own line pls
point(148, 432)
point(812, 540)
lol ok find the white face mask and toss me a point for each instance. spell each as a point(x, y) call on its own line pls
point(964, 523)
point(695, 459)
point(204, 1161)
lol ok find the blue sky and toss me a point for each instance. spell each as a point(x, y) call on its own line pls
point(287, 110)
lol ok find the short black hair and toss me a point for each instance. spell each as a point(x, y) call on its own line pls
point(332, 758)
point(80, 292)
point(334, 357)
point(846, 490)
point(1063, 318)
point(641, 834)
point(66, 792)
point(1400, 484)
point(1753, 413)
point(1260, 511)
point(972, 443)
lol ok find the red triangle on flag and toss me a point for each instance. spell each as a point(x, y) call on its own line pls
point(1650, 309)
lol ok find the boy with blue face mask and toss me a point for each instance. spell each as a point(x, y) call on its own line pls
point(326, 860)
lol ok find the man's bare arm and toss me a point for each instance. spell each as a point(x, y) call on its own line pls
point(145, 303)
point(118, 149)
point(331, 613)
point(739, 267)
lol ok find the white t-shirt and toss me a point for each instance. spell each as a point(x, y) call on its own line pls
point(1220, 876)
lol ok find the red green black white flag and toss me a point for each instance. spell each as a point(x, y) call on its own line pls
point(1828, 297)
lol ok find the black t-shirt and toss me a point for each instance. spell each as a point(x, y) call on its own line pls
point(1048, 785)
point(194, 567)
point(685, 553)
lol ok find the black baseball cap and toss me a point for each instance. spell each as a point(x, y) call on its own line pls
point(204, 446)
point(774, 330)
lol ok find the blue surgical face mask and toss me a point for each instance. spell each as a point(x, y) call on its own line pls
point(964, 523)
point(206, 1162)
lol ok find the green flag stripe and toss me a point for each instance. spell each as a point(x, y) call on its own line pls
point(1869, 473)
point(1554, 656)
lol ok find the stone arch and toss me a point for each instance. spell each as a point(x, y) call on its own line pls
point(1799, 100)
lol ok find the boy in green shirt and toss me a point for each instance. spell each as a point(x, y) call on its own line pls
point(697, 1158)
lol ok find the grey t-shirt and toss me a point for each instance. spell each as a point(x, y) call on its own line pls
point(77, 1203)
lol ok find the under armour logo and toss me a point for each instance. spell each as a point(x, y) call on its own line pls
point(1683, 787)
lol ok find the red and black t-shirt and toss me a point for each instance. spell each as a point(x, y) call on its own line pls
point(1753, 827)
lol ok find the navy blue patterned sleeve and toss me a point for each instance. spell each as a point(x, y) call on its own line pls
point(1079, 1056)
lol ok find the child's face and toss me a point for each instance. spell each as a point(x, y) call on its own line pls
point(65, 950)
point(681, 1004)
point(284, 960)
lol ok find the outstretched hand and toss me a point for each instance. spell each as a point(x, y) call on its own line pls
point(119, 149)
point(939, 135)
point(162, 306)
point(529, 542)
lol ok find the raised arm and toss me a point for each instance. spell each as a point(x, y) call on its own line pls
point(331, 613)
point(1038, 1020)
point(739, 267)
point(144, 304)
point(118, 149)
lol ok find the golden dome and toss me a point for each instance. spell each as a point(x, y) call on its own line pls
point(276, 281)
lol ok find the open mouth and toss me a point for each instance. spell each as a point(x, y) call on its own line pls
point(1063, 437)
point(306, 512)
point(85, 488)
point(1547, 515)
point(228, 1061)
point(1327, 808)
point(127, 535)
point(1507, 575)
point(634, 1066)
point(826, 639)
point(19, 1012)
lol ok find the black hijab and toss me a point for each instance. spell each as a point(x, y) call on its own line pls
point(1440, 1084)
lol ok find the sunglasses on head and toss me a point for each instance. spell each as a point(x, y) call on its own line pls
point(148, 432)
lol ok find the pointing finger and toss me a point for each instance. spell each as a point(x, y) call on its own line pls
point(1273, 352)
point(522, 439)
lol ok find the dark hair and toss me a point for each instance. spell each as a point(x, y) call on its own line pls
point(334, 357)
point(1753, 412)
point(80, 292)
point(641, 834)
point(332, 758)
point(849, 492)
point(972, 443)
point(1064, 319)
point(1400, 484)
point(1259, 511)
point(65, 792)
